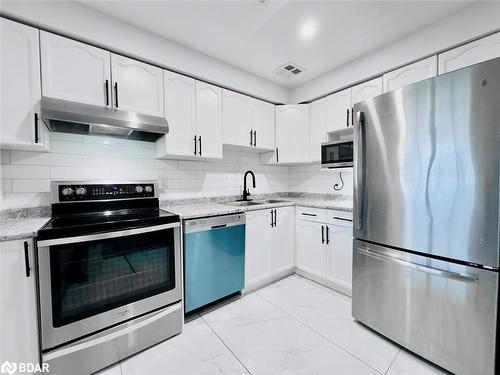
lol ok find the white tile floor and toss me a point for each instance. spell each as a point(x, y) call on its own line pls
point(294, 326)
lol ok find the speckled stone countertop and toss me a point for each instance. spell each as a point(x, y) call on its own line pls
point(17, 224)
point(190, 209)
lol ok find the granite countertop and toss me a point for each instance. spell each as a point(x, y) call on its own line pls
point(205, 209)
point(24, 223)
point(20, 227)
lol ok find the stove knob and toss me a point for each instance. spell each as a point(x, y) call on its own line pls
point(149, 188)
point(138, 189)
point(81, 191)
point(67, 191)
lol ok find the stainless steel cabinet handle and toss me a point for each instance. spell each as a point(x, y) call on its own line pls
point(251, 139)
point(327, 235)
point(272, 221)
point(275, 215)
point(322, 234)
point(255, 138)
point(347, 119)
point(306, 214)
point(199, 139)
point(419, 267)
point(195, 151)
point(359, 166)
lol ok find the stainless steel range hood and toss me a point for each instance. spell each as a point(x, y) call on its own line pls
point(70, 117)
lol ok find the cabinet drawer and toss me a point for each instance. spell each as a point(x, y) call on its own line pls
point(343, 218)
point(311, 214)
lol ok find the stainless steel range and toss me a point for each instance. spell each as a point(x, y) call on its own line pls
point(109, 269)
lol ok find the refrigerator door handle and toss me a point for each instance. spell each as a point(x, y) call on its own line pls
point(359, 165)
point(419, 267)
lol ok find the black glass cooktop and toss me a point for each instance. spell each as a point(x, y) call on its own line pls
point(65, 225)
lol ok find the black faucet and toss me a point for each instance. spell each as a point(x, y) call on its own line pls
point(246, 192)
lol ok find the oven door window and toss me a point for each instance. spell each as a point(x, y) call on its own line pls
point(92, 277)
point(337, 153)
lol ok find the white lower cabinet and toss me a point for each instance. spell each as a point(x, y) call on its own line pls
point(324, 247)
point(18, 323)
point(268, 246)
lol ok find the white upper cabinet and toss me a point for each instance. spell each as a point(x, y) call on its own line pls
point(75, 71)
point(366, 90)
point(209, 120)
point(338, 108)
point(137, 87)
point(292, 133)
point(180, 112)
point(469, 54)
point(237, 119)
point(418, 71)
point(317, 112)
point(20, 127)
point(263, 125)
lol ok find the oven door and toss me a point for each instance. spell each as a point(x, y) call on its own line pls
point(91, 282)
point(337, 154)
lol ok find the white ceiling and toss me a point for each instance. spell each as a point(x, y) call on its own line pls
point(260, 36)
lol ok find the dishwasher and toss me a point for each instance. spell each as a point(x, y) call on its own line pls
point(214, 259)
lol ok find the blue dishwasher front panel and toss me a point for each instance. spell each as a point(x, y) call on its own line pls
point(214, 264)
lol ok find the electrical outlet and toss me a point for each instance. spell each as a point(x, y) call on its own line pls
point(163, 182)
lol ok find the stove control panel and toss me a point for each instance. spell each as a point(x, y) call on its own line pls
point(96, 192)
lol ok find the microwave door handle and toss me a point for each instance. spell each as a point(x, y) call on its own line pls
point(359, 166)
point(104, 236)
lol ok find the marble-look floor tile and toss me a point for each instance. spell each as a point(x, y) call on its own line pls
point(408, 364)
point(111, 370)
point(269, 341)
point(329, 314)
point(197, 350)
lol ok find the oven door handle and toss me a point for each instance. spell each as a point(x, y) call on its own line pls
point(104, 236)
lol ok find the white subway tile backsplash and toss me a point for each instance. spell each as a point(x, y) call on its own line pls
point(4, 156)
point(6, 185)
point(30, 186)
point(37, 158)
point(25, 171)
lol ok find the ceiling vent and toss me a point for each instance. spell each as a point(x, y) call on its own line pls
point(289, 70)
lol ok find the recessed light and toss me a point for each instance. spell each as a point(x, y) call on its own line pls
point(308, 30)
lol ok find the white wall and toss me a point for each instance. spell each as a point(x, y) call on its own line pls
point(310, 179)
point(26, 176)
point(86, 24)
point(471, 22)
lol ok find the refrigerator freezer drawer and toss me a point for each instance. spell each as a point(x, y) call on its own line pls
point(443, 311)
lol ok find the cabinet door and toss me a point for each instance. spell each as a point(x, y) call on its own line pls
point(209, 119)
point(137, 87)
point(318, 128)
point(469, 54)
point(337, 107)
point(418, 71)
point(180, 114)
point(263, 125)
point(366, 90)
point(292, 133)
point(236, 119)
point(19, 338)
point(20, 88)
point(257, 247)
point(74, 71)
point(310, 250)
point(340, 257)
point(282, 254)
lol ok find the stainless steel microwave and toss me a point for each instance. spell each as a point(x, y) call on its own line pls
point(337, 154)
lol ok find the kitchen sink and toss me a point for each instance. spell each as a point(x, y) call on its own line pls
point(244, 203)
point(254, 202)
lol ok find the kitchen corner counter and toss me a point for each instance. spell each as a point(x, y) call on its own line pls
point(207, 209)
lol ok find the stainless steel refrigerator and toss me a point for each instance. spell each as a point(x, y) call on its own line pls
point(426, 217)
